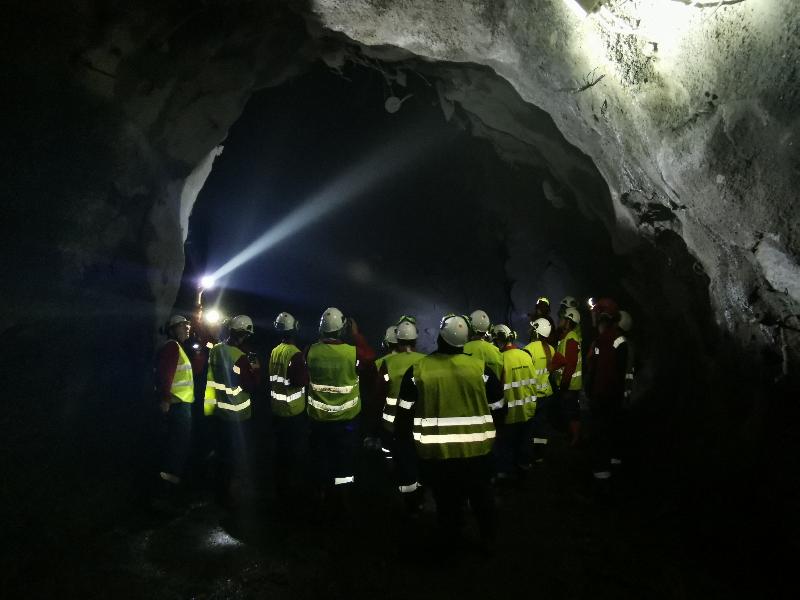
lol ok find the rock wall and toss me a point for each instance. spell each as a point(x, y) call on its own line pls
point(688, 111)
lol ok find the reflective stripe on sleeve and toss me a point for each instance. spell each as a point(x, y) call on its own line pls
point(619, 341)
point(331, 408)
point(236, 370)
point(497, 405)
point(407, 489)
point(388, 418)
point(279, 379)
point(391, 401)
point(343, 480)
point(386, 377)
point(521, 401)
point(405, 404)
point(538, 440)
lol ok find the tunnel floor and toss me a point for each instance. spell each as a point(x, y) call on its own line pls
point(555, 541)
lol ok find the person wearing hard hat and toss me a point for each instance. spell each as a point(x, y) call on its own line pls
point(175, 392)
point(569, 378)
point(231, 380)
point(542, 311)
point(478, 345)
point(625, 326)
point(334, 369)
point(606, 366)
point(390, 376)
point(512, 448)
point(546, 359)
point(448, 405)
point(287, 381)
point(570, 302)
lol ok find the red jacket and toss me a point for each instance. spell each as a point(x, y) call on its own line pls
point(166, 364)
point(605, 367)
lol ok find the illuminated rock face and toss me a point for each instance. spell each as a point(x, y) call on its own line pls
point(689, 112)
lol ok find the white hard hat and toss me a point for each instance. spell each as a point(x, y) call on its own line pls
point(176, 320)
point(407, 331)
point(569, 302)
point(542, 327)
point(480, 321)
point(454, 330)
point(242, 323)
point(332, 320)
point(625, 321)
point(573, 315)
point(390, 337)
point(286, 322)
point(503, 331)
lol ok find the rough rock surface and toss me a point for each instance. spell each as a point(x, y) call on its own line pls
point(689, 113)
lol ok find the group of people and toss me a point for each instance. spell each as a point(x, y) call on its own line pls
point(476, 411)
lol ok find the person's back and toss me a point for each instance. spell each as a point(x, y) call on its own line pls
point(487, 352)
point(287, 399)
point(333, 390)
point(393, 368)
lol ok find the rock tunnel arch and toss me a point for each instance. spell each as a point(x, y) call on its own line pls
point(148, 94)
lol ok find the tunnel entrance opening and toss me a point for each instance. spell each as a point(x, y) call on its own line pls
point(447, 224)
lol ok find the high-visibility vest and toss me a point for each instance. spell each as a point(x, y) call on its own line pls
point(519, 385)
point(333, 393)
point(576, 383)
point(224, 396)
point(396, 367)
point(541, 364)
point(451, 417)
point(379, 361)
point(182, 388)
point(488, 353)
point(286, 400)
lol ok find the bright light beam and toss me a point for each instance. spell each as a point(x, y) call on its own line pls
point(380, 165)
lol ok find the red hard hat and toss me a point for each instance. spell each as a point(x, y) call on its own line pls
point(606, 306)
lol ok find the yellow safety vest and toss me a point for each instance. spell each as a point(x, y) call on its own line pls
point(519, 385)
point(333, 391)
point(576, 383)
point(286, 400)
point(396, 367)
point(182, 389)
point(451, 417)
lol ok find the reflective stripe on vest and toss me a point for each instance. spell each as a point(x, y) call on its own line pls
point(452, 418)
point(285, 400)
point(519, 391)
point(182, 388)
point(576, 383)
point(396, 366)
point(333, 391)
point(224, 396)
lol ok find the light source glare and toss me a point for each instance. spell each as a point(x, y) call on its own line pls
point(213, 317)
point(387, 161)
point(207, 282)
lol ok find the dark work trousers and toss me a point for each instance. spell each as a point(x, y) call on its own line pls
point(288, 433)
point(605, 422)
point(453, 482)
point(570, 407)
point(541, 427)
point(406, 472)
point(333, 451)
point(178, 442)
point(233, 444)
point(512, 447)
